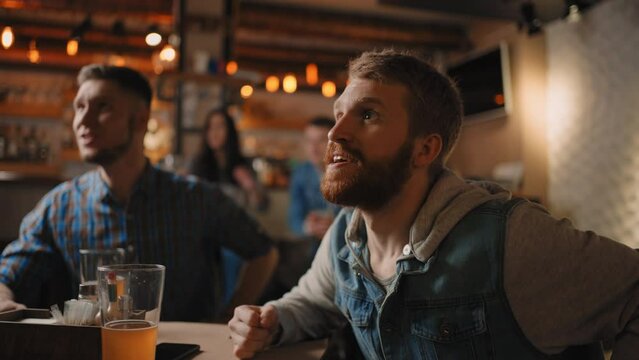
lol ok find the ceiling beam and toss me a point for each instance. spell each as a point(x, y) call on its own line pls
point(157, 10)
point(295, 22)
point(290, 54)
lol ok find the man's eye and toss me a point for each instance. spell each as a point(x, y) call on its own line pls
point(104, 106)
point(368, 115)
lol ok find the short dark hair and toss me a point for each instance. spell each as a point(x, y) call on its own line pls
point(321, 121)
point(127, 78)
point(434, 104)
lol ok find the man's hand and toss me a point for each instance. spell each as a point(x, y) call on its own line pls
point(6, 299)
point(252, 329)
point(6, 305)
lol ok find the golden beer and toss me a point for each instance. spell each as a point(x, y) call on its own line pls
point(129, 340)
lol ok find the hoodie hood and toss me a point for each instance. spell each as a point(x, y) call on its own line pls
point(448, 201)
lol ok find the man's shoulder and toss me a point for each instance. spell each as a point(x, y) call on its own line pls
point(78, 184)
point(186, 184)
point(64, 193)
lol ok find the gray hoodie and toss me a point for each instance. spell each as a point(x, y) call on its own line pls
point(565, 287)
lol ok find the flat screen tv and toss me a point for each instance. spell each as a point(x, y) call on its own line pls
point(484, 83)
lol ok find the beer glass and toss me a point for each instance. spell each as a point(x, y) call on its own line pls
point(130, 299)
point(90, 259)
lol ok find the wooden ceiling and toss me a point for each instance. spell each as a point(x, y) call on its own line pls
point(277, 38)
point(269, 37)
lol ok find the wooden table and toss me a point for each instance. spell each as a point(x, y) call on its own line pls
point(215, 343)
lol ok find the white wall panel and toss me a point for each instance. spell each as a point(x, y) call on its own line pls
point(593, 119)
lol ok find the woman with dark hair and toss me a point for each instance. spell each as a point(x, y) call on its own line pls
point(220, 160)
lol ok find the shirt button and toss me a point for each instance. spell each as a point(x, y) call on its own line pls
point(406, 250)
point(444, 330)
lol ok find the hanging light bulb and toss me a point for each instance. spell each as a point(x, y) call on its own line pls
point(231, 67)
point(289, 83)
point(328, 89)
point(272, 83)
point(153, 38)
point(33, 54)
point(7, 37)
point(246, 91)
point(574, 14)
point(168, 53)
point(72, 47)
point(311, 74)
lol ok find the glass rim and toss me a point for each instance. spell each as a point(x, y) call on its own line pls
point(129, 267)
point(103, 251)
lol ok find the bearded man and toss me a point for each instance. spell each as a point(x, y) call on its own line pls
point(155, 216)
point(423, 265)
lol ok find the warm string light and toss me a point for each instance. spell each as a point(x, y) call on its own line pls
point(329, 89)
point(168, 53)
point(289, 83)
point(231, 67)
point(72, 47)
point(7, 37)
point(153, 37)
point(246, 91)
point(312, 74)
point(272, 83)
point(33, 54)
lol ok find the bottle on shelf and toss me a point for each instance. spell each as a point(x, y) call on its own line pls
point(44, 148)
point(3, 143)
point(31, 144)
point(13, 143)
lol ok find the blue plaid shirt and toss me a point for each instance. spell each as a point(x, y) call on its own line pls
point(171, 220)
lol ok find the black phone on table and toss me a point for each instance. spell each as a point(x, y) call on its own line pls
point(174, 351)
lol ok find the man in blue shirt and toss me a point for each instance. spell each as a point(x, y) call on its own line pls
point(309, 214)
point(156, 216)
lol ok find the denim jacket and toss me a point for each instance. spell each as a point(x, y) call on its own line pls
point(450, 307)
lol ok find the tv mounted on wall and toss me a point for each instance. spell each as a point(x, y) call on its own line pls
point(484, 83)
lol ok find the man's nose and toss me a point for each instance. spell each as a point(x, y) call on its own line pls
point(82, 117)
point(343, 130)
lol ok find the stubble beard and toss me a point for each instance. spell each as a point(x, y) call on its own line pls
point(372, 185)
point(105, 157)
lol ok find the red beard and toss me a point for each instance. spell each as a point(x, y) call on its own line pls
point(365, 184)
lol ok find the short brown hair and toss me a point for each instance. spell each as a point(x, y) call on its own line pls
point(127, 78)
point(434, 104)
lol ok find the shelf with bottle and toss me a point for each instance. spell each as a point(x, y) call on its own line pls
point(26, 150)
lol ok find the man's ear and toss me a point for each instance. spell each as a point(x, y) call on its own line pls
point(426, 149)
point(142, 118)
